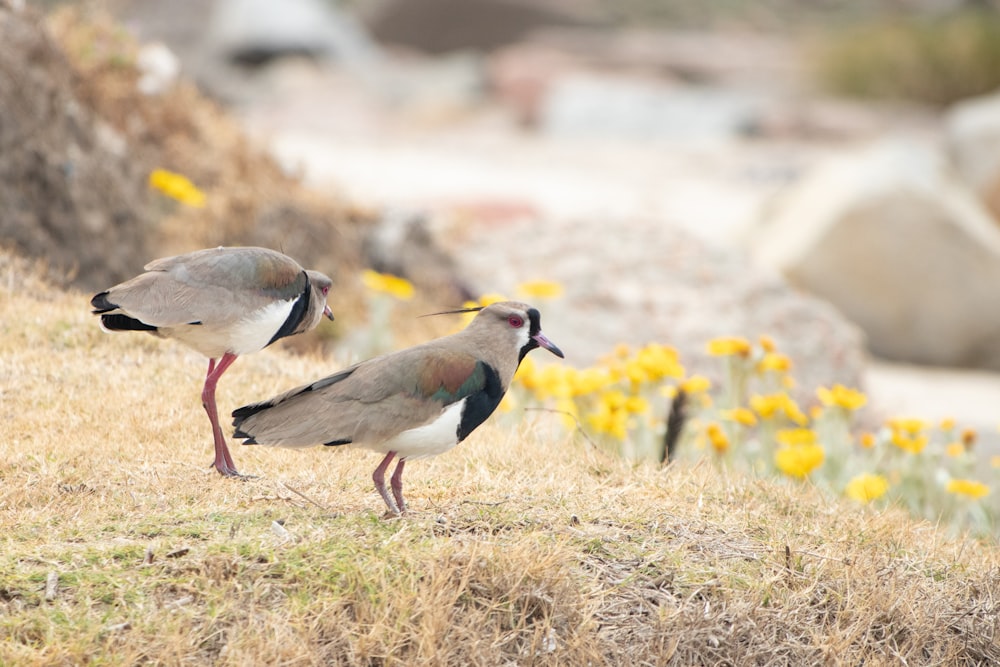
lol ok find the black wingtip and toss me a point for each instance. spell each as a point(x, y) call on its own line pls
point(101, 304)
point(119, 322)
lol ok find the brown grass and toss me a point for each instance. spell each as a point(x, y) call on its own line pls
point(120, 546)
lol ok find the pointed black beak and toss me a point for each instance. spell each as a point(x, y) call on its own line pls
point(548, 345)
point(328, 313)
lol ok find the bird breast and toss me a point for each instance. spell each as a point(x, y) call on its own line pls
point(430, 439)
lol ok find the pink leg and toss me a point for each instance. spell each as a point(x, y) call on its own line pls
point(397, 486)
point(379, 478)
point(223, 461)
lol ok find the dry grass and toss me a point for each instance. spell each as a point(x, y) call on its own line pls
point(121, 546)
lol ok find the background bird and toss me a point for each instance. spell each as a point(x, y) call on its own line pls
point(223, 302)
point(413, 403)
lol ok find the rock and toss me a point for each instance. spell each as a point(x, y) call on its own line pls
point(593, 105)
point(440, 26)
point(972, 128)
point(648, 281)
point(256, 31)
point(71, 194)
point(901, 247)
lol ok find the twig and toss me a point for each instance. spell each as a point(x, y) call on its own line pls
point(305, 497)
point(51, 586)
point(579, 426)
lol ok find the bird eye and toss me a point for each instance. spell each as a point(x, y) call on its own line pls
point(326, 290)
point(515, 321)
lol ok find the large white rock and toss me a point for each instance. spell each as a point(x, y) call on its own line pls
point(972, 128)
point(892, 238)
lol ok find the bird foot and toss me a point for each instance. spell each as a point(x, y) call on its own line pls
point(231, 472)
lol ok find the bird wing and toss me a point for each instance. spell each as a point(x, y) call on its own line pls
point(367, 403)
point(213, 287)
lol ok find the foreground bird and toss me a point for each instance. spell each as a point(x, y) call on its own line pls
point(223, 302)
point(417, 402)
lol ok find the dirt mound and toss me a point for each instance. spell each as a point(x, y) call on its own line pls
point(72, 194)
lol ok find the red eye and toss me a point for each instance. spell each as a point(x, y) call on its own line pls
point(326, 290)
point(515, 321)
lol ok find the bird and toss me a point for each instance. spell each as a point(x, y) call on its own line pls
point(413, 403)
point(222, 302)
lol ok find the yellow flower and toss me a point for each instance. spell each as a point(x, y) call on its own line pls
point(655, 362)
point(947, 424)
point(728, 346)
point(609, 421)
point(796, 437)
point(909, 443)
point(800, 460)
point(696, 384)
point(507, 403)
point(568, 413)
point(866, 487)
point(954, 449)
point(740, 416)
point(767, 343)
point(967, 487)
point(589, 381)
point(385, 283)
point(867, 440)
point(907, 424)
point(841, 397)
point(995, 461)
point(717, 438)
point(553, 382)
point(176, 186)
point(968, 437)
point(539, 289)
point(636, 405)
point(768, 406)
point(773, 361)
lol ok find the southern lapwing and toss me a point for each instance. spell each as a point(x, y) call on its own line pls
point(223, 302)
point(410, 404)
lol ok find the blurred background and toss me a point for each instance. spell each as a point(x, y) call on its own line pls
point(826, 173)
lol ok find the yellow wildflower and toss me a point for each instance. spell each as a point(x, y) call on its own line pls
point(568, 413)
point(796, 437)
point(767, 343)
point(866, 487)
point(552, 382)
point(947, 424)
point(774, 361)
point(798, 461)
point(909, 443)
point(636, 405)
point(609, 421)
point(717, 438)
point(740, 416)
point(967, 487)
point(907, 424)
point(815, 412)
point(655, 362)
point(507, 403)
point(527, 373)
point(867, 440)
point(954, 449)
point(539, 289)
point(768, 406)
point(696, 384)
point(968, 437)
point(176, 186)
point(728, 346)
point(386, 283)
point(589, 380)
point(841, 397)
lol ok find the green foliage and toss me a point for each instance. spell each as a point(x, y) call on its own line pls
point(936, 60)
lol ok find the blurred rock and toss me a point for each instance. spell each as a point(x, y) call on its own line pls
point(159, 68)
point(440, 26)
point(521, 75)
point(256, 31)
point(642, 281)
point(901, 247)
point(401, 242)
point(972, 128)
point(592, 105)
point(71, 193)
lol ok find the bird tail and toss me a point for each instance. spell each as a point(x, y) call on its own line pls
point(240, 415)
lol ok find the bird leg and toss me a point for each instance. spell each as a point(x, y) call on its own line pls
point(223, 461)
point(397, 486)
point(379, 478)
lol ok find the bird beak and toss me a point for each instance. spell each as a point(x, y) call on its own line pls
point(328, 313)
point(548, 345)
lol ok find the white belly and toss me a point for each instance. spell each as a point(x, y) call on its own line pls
point(430, 439)
point(251, 334)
